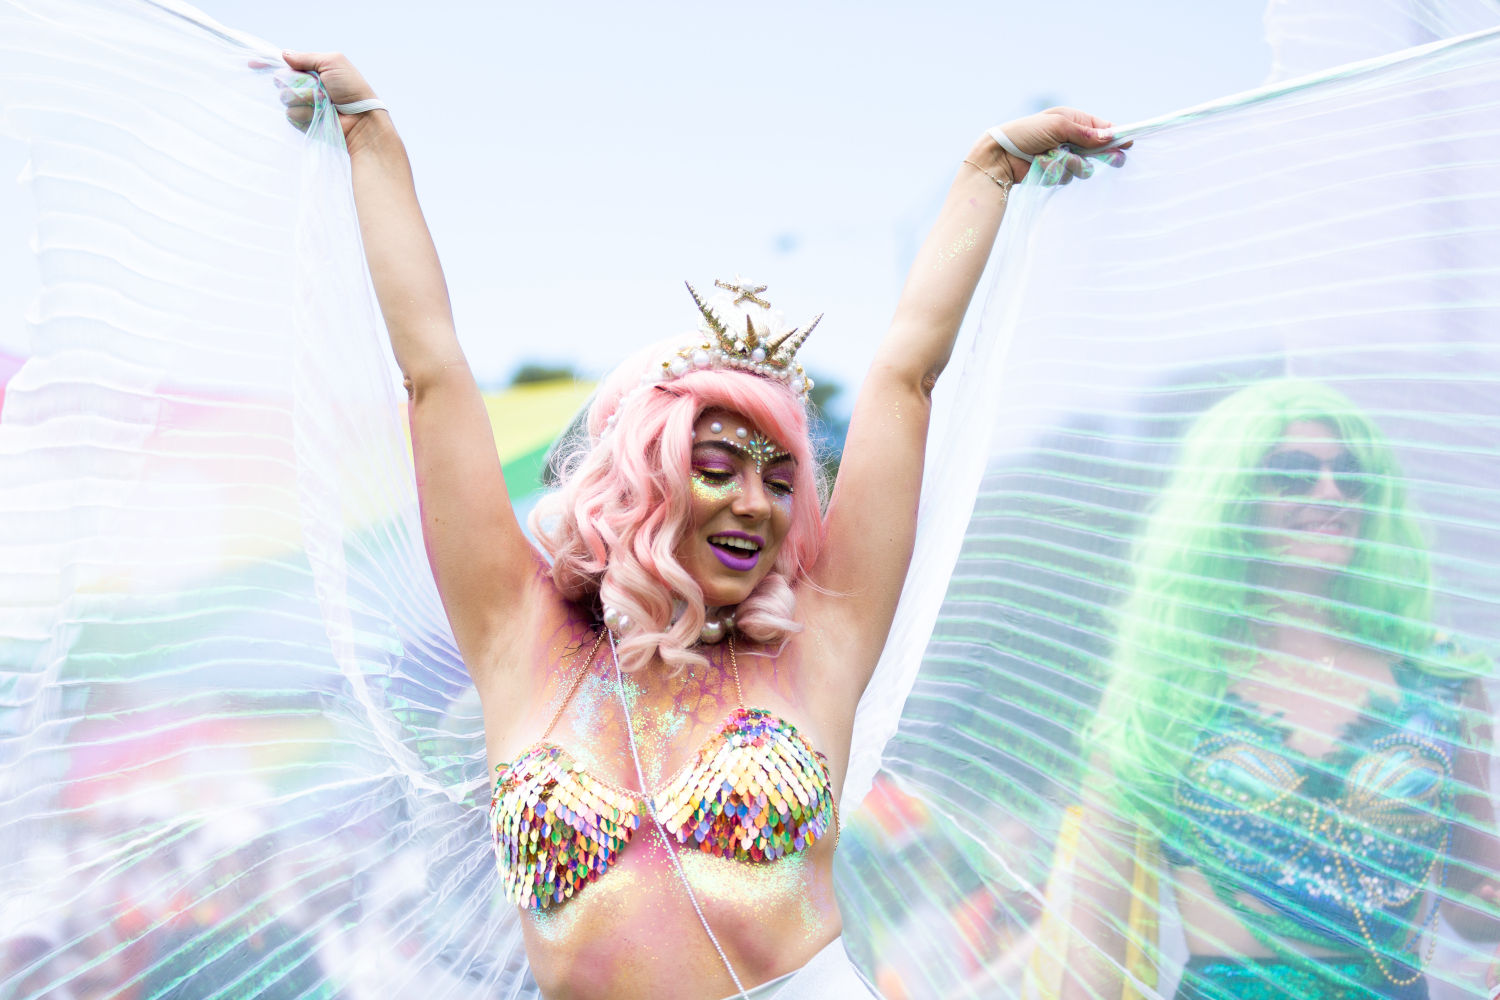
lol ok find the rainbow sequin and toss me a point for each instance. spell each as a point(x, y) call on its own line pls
point(756, 791)
point(556, 828)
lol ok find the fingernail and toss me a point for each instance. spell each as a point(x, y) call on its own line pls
point(1105, 133)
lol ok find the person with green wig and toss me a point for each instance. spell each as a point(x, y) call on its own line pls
point(1285, 740)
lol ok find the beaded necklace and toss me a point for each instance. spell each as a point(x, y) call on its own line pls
point(1321, 824)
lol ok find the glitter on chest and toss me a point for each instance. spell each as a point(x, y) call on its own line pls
point(756, 791)
point(595, 710)
point(786, 893)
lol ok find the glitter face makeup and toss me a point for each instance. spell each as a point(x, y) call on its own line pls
point(713, 490)
point(764, 452)
point(758, 448)
point(741, 490)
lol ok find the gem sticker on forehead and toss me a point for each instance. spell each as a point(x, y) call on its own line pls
point(752, 444)
point(763, 451)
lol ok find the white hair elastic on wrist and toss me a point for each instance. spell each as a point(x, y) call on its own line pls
point(360, 107)
point(998, 134)
point(640, 777)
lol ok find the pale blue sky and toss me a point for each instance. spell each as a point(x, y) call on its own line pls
point(578, 161)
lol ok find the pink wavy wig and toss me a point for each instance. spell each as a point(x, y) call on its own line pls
point(612, 527)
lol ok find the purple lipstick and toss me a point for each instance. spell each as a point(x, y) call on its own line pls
point(737, 550)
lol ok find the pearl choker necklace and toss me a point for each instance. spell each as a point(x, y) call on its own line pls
point(715, 627)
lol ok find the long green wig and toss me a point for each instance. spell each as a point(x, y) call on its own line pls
point(1185, 632)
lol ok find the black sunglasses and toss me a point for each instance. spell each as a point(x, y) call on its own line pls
point(1296, 473)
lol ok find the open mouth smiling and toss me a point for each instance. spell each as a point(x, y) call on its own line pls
point(1330, 524)
point(737, 550)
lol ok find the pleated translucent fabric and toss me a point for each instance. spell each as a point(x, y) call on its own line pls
point(1187, 682)
point(1204, 664)
point(239, 755)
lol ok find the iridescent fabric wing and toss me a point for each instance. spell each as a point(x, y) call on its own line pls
point(1112, 723)
point(237, 746)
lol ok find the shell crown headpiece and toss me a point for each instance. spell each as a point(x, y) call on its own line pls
point(731, 338)
point(757, 347)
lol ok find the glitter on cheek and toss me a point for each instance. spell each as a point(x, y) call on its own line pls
point(712, 492)
point(966, 241)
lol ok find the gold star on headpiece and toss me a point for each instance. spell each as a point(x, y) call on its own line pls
point(756, 350)
point(744, 290)
point(751, 349)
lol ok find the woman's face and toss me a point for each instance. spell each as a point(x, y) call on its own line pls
point(741, 506)
point(1312, 489)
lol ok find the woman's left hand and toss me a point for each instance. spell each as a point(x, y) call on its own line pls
point(1065, 140)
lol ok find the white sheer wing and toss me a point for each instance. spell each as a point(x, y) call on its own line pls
point(1311, 35)
point(239, 752)
point(1343, 229)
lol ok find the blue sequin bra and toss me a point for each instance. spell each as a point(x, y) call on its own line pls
point(1338, 850)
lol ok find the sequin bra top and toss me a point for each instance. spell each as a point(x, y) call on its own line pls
point(1339, 849)
point(755, 791)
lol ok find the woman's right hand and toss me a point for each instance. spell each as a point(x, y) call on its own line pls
point(481, 559)
point(340, 79)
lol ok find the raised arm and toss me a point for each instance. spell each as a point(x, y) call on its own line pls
point(480, 558)
point(871, 522)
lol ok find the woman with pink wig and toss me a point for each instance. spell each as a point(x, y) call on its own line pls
point(669, 685)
